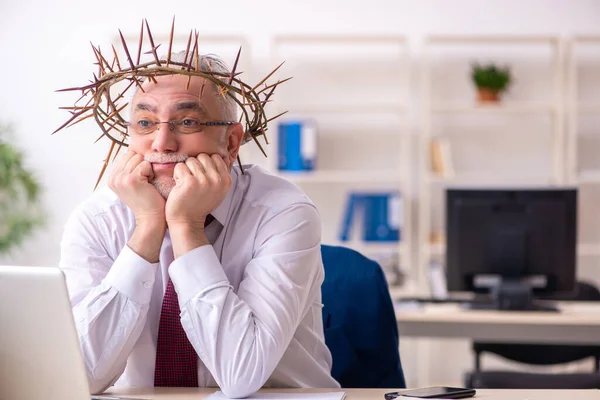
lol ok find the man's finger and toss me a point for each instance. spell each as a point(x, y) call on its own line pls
point(207, 162)
point(133, 163)
point(220, 164)
point(228, 160)
point(145, 170)
point(123, 160)
point(210, 169)
point(181, 170)
point(194, 166)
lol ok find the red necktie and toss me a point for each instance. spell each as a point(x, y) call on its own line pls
point(176, 359)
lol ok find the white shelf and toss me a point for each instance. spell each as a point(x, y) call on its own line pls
point(487, 39)
point(576, 109)
point(438, 249)
point(583, 249)
point(594, 39)
point(338, 38)
point(342, 118)
point(359, 108)
point(589, 176)
point(343, 176)
point(588, 249)
point(369, 248)
point(438, 120)
point(489, 178)
point(397, 292)
point(501, 108)
point(587, 108)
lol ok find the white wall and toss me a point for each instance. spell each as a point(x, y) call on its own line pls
point(45, 45)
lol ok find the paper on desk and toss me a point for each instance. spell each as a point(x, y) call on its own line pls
point(286, 396)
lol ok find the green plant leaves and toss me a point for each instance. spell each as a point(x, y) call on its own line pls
point(19, 197)
point(491, 77)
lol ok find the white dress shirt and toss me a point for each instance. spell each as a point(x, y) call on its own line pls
point(250, 303)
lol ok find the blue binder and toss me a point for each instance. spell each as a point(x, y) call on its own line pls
point(296, 146)
point(381, 214)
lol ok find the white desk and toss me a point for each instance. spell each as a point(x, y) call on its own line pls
point(360, 394)
point(577, 323)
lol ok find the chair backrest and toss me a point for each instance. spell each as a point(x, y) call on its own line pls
point(542, 354)
point(360, 323)
point(584, 291)
point(528, 380)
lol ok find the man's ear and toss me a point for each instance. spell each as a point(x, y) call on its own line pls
point(235, 134)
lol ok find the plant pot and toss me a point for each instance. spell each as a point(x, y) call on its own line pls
point(485, 95)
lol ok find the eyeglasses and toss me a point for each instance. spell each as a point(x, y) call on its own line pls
point(184, 126)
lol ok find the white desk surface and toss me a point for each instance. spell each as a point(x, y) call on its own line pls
point(358, 394)
point(575, 323)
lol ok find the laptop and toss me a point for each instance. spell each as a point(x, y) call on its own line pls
point(40, 356)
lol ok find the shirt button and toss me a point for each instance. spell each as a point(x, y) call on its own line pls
point(147, 284)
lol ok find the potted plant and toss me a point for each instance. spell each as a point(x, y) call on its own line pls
point(20, 213)
point(491, 81)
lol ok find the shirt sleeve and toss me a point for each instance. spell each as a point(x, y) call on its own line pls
point(110, 298)
point(242, 337)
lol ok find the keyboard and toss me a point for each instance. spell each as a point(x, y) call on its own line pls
point(472, 304)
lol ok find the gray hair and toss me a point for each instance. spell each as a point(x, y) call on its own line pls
point(207, 63)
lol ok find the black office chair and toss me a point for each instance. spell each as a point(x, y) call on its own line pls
point(539, 355)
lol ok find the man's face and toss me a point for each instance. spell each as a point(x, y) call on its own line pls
point(169, 100)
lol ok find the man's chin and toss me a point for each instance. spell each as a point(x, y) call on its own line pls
point(163, 185)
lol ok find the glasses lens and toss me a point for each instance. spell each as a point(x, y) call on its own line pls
point(142, 126)
point(189, 125)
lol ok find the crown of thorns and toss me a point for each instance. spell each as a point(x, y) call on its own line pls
point(96, 100)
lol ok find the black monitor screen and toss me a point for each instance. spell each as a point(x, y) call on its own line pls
point(495, 235)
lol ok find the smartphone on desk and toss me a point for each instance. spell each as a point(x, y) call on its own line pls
point(437, 392)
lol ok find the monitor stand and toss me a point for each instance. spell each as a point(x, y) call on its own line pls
point(511, 295)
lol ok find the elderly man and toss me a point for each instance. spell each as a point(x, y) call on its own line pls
point(186, 271)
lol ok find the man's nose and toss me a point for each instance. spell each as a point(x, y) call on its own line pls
point(164, 139)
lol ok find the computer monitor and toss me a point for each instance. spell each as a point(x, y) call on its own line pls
point(513, 243)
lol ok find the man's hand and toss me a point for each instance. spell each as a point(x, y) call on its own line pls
point(201, 184)
point(130, 180)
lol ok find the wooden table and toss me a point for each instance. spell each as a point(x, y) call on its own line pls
point(356, 394)
point(577, 323)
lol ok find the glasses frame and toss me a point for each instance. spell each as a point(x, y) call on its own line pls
point(175, 124)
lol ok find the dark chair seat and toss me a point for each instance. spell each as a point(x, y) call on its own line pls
point(526, 380)
point(359, 320)
point(539, 354)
